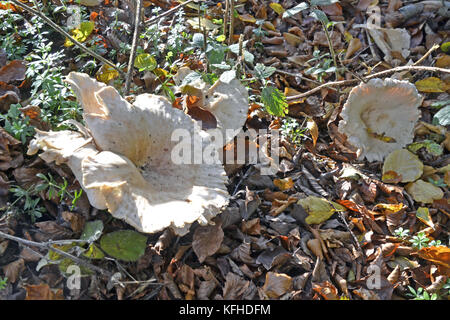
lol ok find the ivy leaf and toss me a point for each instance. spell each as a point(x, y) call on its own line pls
point(126, 245)
point(294, 10)
point(263, 72)
point(274, 101)
point(442, 117)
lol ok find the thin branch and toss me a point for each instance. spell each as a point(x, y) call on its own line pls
point(169, 12)
point(137, 24)
point(378, 74)
point(435, 47)
point(48, 246)
point(63, 32)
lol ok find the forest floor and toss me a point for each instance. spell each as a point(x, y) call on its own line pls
point(328, 225)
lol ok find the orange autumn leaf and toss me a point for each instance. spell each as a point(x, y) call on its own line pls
point(388, 208)
point(42, 292)
point(284, 184)
point(439, 255)
point(326, 290)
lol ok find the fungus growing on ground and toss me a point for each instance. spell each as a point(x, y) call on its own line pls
point(379, 117)
point(123, 158)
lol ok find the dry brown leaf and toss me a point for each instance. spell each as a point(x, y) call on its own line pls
point(207, 240)
point(43, 292)
point(277, 284)
point(13, 270)
point(439, 255)
point(13, 71)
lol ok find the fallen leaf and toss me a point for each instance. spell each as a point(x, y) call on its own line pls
point(13, 270)
point(284, 184)
point(443, 61)
point(423, 214)
point(277, 284)
point(319, 209)
point(247, 18)
point(424, 192)
point(207, 240)
point(43, 292)
point(278, 8)
point(354, 45)
point(403, 163)
point(326, 290)
point(313, 130)
point(126, 245)
point(439, 255)
point(431, 84)
point(81, 34)
point(13, 71)
point(106, 73)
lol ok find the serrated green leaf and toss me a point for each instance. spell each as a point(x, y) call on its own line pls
point(274, 101)
point(294, 10)
point(442, 117)
point(145, 61)
point(92, 231)
point(126, 245)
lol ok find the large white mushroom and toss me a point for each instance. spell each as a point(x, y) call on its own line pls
point(379, 117)
point(123, 157)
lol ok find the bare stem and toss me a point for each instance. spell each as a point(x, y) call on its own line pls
point(137, 24)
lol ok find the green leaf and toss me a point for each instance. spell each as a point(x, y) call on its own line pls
point(92, 231)
point(440, 104)
point(320, 15)
point(263, 72)
point(126, 245)
point(431, 147)
point(274, 101)
point(93, 252)
point(445, 47)
point(82, 33)
point(145, 61)
point(442, 117)
point(294, 10)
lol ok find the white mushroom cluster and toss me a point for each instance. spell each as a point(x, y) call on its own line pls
point(122, 158)
point(379, 117)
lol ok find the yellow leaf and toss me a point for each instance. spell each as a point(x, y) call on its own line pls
point(424, 215)
point(318, 209)
point(82, 33)
point(439, 255)
point(443, 61)
point(284, 184)
point(424, 192)
point(269, 26)
point(403, 163)
point(313, 130)
point(106, 73)
point(278, 8)
point(388, 208)
point(247, 18)
point(204, 23)
point(431, 84)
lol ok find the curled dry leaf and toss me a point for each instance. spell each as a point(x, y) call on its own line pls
point(13, 71)
point(207, 241)
point(43, 292)
point(277, 284)
point(439, 255)
point(123, 158)
point(390, 41)
point(404, 163)
point(379, 117)
point(13, 270)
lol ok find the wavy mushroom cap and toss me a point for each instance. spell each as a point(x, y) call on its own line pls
point(123, 160)
point(379, 117)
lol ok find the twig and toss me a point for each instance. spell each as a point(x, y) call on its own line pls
point(169, 12)
point(378, 74)
point(137, 24)
point(60, 30)
point(435, 47)
point(290, 74)
point(225, 18)
point(48, 246)
point(231, 33)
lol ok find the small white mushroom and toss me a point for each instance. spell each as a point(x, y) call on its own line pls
point(379, 117)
